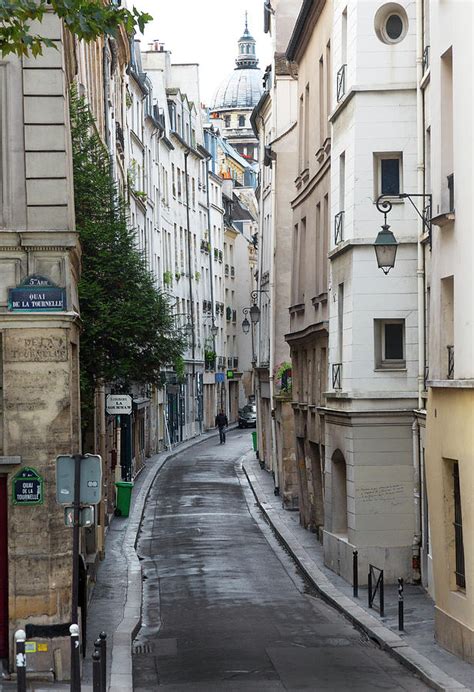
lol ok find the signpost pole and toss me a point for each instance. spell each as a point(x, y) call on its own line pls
point(75, 676)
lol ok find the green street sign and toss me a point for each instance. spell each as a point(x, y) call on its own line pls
point(27, 486)
point(230, 374)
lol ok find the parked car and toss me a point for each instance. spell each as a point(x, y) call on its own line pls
point(248, 416)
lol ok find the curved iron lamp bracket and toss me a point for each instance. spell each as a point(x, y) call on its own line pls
point(384, 205)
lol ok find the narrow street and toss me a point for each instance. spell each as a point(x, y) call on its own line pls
point(224, 607)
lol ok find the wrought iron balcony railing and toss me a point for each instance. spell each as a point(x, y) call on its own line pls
point(341, 82)
point(339, 228)
point(426, 58)
point(337, 375)
point(451, 192)
point(450, 362)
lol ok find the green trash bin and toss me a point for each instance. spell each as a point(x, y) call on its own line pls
point(254, 440)
point(124, 495)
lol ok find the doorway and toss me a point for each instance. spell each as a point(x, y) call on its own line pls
point(3, 569)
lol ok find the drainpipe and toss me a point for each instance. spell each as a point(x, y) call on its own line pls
point(211, 272)
point(420, 272)
point(274, 450)
point(191, 303)
point(256, 363)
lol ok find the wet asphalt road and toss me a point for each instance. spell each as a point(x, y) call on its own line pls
point(224, 607)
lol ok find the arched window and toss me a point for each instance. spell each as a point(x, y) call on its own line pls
point(339, 493)
point(241, 120)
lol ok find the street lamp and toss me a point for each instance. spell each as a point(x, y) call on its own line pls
point(214, 330)
point(386, 244)
point(245, 326)
point(255, 314)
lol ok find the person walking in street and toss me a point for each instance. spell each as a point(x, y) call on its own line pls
point(221, 423)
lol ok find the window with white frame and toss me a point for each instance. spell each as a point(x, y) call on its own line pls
point(389, 339)
point(388, 171)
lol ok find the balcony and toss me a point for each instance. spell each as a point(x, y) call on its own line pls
point(226, 270)
point(450, 375)
point(337, 375)
point(341, 82)
point(228, 314)
point(339, 228)
point(232, 272)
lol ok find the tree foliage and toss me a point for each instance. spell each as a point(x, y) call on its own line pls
point(86, 19)
point(129, 331)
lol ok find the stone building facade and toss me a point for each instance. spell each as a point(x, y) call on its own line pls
point(39, 352)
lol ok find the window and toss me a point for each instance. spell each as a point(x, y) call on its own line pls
point(390, 344)
point(458, 534)
point(391, 23)
point(227, 120)
point(388, 174)
point(241, 120)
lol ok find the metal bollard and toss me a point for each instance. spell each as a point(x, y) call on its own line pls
point(103, 659)
point(400, 605)
point(75, 659)
point(96, 672)
point(20, 638)
point(355, 574)
point(382, 600)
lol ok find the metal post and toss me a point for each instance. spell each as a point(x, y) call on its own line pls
point(369, 584)
point(103, 659)
point(400, 604)
point(75, 662)
point(20, 638)
point(75, 537)
point(96, 673)
point(382, 602)
point(355, 574)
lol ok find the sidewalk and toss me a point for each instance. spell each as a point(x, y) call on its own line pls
point(415, 647)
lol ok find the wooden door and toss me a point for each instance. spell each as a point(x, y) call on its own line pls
point(3, 569)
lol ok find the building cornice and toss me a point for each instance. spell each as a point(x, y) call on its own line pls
point(306, 334)
point(307, 18)
point(349, 244)
point(367, 89)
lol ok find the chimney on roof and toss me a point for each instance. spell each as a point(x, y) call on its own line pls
point(156, 46)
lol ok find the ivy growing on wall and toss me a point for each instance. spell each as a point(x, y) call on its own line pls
point(128, 327)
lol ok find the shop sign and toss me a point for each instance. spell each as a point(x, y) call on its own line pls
point(37, 293)
point(118, 404)
point(27, 487)
point(230, 374)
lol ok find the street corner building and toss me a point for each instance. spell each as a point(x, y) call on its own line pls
point(39, 333)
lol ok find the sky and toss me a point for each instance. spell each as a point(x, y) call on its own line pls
point(206, 32)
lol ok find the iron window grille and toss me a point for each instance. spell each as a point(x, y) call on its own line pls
point(341, 82)
point(458, 535)
point(226, 270)
point(339, 228)
point(236, 363)
point(232, 271)
point(450, 362)
point(336, 375)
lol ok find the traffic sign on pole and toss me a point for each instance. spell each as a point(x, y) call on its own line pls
point(91, 479)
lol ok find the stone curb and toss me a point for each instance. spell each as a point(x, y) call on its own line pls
point(121, 674)
point(385, 637)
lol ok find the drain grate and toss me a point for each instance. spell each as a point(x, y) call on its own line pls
point(140, 649)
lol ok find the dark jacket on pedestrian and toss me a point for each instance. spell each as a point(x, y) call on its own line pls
point(221, 420)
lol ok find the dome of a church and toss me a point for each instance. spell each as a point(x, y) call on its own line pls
point(243, 87)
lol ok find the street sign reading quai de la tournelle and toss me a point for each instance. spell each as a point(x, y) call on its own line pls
point(118, 404)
